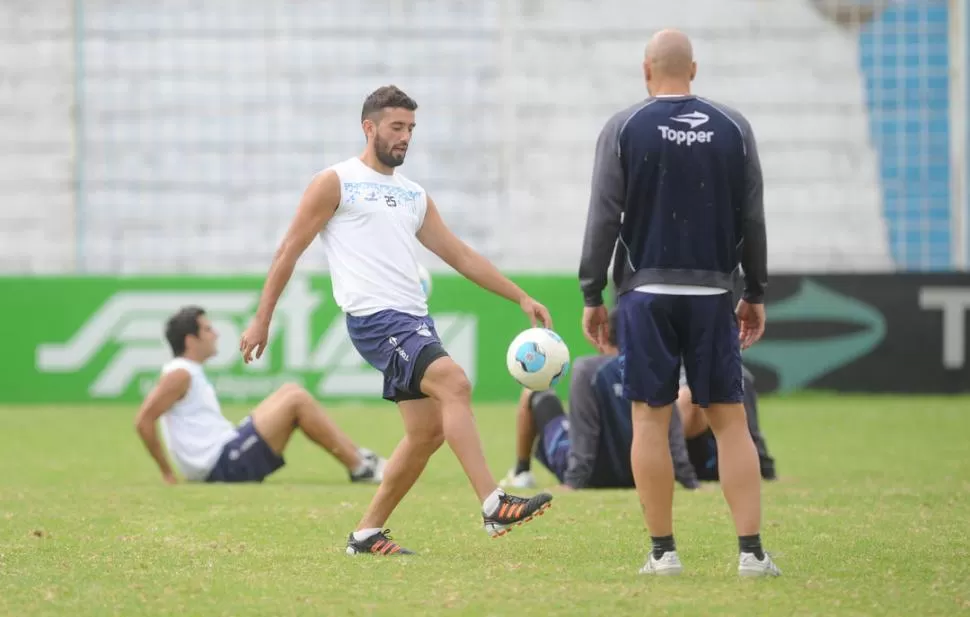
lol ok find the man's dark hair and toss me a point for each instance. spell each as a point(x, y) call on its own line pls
point(614, 322)
point(386, 97)
point(182, 324)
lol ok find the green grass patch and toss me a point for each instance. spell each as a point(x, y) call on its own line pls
point(870, 517)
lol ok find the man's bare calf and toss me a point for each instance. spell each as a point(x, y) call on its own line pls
point(291, 408)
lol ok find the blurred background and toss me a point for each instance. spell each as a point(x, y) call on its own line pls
point(160, 147)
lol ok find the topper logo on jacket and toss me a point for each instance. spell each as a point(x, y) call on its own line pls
point(689, 137)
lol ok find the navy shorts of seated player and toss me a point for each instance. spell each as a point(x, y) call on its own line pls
point(245, 458)
point(401, 346)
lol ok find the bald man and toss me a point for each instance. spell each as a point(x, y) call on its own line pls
point(677, 180)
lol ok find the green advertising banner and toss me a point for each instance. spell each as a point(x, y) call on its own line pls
point(75, 339)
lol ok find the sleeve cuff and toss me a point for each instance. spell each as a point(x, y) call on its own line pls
point(754, 297)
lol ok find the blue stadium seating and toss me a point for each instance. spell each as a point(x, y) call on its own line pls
point(905, 61)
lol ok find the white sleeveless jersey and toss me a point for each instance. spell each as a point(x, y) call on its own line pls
point(370, 241)
point(194, 429)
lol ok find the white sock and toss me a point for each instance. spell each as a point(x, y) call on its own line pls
point(491, 503)
point(363, 534)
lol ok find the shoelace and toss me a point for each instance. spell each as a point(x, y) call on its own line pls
point(385, 544)
point(510, 507)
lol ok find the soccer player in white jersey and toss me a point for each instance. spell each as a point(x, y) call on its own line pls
point(367, 216)
point(205, 446)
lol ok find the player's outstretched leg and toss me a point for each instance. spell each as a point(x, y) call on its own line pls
point(737, 461)
point(447, 383)
point(423, 435)
point(292, 407)
point(653, 474)
point(692, 416)
point(521, 476)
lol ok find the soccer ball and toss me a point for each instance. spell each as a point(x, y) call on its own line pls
point(425, 277)
point(538, 358)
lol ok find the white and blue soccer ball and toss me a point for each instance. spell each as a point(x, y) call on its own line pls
point(538, 358)
point(425, 277)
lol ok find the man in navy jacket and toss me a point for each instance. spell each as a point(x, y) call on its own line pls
point(677, 181)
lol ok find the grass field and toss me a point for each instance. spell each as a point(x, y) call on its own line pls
point(871, 517)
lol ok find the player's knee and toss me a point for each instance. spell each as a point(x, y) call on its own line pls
point(648, 420)
point(545, 408)
point(726, 419)
point(291, 390)
point(428, 438)
point(448, 382)
point(460, 387)
point(295, 398)
point(684, 397)
point(436, 440)
point(686, 408)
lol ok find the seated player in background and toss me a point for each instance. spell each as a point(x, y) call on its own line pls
point(205, 446)
point(701, 445)
point(590, 448)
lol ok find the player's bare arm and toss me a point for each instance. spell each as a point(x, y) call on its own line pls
point(317, 206)
point(440, 240)
point(169, 389)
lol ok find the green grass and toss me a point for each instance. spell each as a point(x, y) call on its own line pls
point(872, 517)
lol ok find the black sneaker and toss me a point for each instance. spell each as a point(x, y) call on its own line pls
point(378, 544)
point(768, 470)
point(373, 471)
point(514, 511)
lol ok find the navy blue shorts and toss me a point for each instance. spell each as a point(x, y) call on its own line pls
point(399, 345)
point(246, 458)
point(657, 330)
point(552, 449)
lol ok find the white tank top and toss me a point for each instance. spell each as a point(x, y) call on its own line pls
point(194, 429)
point(370, 241)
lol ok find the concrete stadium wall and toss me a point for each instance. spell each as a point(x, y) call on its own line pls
point(36, 136)
point(200, 123)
